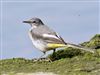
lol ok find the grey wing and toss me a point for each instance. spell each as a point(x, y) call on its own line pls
point(55, 39)
point(48, 35)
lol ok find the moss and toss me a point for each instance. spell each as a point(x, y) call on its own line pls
point(66, 53)
point(93, 43)
point(82, 64)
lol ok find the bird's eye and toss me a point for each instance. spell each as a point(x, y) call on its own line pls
point(34, 21)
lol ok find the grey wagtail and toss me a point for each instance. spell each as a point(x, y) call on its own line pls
point(45, 39)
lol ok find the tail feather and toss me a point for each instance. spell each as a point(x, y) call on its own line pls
point(52, 46)
point(81, 47)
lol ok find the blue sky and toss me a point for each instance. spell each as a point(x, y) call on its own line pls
point(76, 22)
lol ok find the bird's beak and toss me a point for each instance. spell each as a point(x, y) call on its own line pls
point(26, 21)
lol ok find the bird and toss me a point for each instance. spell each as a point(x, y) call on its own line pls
point(45, 39)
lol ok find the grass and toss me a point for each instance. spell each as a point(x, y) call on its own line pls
point(74, 63)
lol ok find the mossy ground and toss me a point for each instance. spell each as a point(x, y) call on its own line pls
point(79, 64)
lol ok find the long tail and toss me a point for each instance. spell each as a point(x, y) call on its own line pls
point(70, 45)
point(81, 47)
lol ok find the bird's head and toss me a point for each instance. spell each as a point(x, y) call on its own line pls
point(34, 22)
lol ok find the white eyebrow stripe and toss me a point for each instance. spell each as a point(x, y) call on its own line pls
point(50, 36)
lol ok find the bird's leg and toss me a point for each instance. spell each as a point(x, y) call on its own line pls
point(54, 51)
point(44, 59)
point(40, 58)
point(53, 55)
point(43, 54)
point(50, 60)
